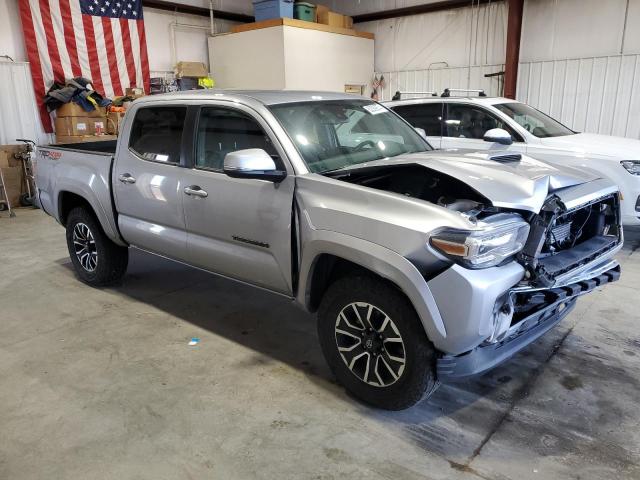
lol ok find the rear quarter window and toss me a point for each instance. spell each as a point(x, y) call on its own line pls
point(156, 134)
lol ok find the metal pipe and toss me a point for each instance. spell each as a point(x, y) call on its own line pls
point(190, 9)
point(415, 10)
point(512, 57)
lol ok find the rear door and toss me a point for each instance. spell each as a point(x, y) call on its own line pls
point(147, 181)
point(427, 116)
point(240, 228)
point(465, 126)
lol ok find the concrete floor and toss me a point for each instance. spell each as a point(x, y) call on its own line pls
point(101, 384)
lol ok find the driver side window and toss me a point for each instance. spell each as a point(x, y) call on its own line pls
point(221, 131)
point(466, 121)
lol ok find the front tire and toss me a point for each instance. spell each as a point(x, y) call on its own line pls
point(96, 259)
point(375, 344)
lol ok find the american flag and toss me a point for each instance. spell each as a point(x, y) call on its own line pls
point(102, 40)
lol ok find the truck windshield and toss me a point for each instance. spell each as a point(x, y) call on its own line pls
point(331, 135)
point(536, 122)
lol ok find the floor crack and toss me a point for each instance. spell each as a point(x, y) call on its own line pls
point(519, 394)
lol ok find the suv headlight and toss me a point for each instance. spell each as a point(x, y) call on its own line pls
point(495, 241)
point(632, 166)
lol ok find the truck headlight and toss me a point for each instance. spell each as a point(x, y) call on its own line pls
point(632, 166)
point(494, 242)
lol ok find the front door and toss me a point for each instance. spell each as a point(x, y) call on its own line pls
point(240, 228)
point(465, 126)
point(147, 181)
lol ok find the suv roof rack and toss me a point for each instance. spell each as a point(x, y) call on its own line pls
point(447, 91)
point(398, 94)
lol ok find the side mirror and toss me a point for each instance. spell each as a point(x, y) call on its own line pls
point(498, 135)
point(421, 132)
point(252, 163)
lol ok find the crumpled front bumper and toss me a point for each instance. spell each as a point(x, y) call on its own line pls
point(486, 356)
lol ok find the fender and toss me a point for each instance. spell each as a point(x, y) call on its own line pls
point(80, 181)
point(380, 260)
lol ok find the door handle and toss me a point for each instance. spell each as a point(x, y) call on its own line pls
point(126, 178)
point(196, 191)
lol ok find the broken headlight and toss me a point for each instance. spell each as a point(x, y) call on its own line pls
point(497, 239)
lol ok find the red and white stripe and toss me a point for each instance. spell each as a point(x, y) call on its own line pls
point(63, 43)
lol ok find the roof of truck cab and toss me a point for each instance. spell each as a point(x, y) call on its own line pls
point(266, 97)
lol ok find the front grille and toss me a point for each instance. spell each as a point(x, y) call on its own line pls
point(567, 230)
point(562, 240)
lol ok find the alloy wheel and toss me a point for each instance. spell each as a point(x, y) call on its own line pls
point(370, 344)
point(84, 246)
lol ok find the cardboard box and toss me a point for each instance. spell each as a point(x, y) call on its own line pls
point(348, 22)
point(330, 18)
point(7, 155)
point(191, 69)
point(114, 121)
point(97, 126)
point(64, 139)
point(134, 92)
point(72, 126)
point(321, 13)
point(13, 182)
point(74, 110)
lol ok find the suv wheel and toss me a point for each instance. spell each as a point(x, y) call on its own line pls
point(96, 259)
point(375, 344)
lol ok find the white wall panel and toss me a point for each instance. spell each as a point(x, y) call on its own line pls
point(177, 37)
point(418, 41)
point(19, 117)
point(11, 40)
point(596, 94)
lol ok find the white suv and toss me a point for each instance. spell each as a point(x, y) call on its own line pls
point(484, 123)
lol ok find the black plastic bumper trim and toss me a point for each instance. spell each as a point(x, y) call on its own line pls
point(485, 357)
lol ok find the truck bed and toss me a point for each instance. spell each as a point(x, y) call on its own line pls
point(108, 146)
point(82, 170)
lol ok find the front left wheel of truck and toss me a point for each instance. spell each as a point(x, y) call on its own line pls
point(96, 259)
point(375, 344)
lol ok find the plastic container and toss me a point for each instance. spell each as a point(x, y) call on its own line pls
point(268, 9)
point(304, 11)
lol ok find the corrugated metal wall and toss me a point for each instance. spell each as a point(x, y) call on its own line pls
point(596, 94)
point(437, 79)
point(18, 116)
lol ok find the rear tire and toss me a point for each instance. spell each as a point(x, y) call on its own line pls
point(26, 200)
point(96, 259)
point(375, 343)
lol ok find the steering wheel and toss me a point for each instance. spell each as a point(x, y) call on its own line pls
point(361, 146)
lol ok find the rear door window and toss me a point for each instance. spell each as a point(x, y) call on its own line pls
point(427, 116)
point(156, 134)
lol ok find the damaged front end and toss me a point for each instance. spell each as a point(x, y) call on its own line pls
point(568, 253)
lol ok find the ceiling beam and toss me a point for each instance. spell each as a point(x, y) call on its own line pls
point(201, 11)
point(418, 9)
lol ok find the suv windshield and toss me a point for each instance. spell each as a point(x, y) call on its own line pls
point(536, 122)
point(331, 135)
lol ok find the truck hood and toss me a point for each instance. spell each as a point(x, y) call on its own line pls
point(590, 144)
point(521, 185)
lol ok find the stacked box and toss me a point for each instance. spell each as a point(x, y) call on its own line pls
point(74, 124)
point(12, 172)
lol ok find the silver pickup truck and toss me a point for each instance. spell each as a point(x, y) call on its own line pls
point(423, 266)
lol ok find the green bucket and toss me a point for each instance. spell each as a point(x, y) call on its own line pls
point(304, 11)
